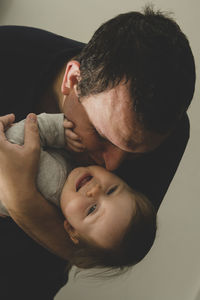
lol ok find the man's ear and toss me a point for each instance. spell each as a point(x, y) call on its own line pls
point(71, 77)
point(72, 232)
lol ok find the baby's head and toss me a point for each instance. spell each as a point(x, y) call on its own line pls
point(109, 224)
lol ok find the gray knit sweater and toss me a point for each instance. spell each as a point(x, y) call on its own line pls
point(55, 163)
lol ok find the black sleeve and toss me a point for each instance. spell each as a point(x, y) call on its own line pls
point(28, 271)
point(153, 172)
point(29, 60)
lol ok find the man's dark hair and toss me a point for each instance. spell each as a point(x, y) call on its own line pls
point(149, 50)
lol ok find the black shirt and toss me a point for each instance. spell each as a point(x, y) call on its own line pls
point(29, 60)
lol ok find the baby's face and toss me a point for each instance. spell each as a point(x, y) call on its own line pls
point(98, 206)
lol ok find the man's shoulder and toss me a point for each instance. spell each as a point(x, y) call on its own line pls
point(153, 172)
point(180, 134)
point(16, 33)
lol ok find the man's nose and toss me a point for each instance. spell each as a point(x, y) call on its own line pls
point(113, 157)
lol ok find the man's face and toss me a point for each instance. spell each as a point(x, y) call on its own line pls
point(108, 127)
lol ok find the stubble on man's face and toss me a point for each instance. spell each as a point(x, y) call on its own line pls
point(108, 126)
point(75, 112)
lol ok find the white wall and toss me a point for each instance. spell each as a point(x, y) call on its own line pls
point(172, 268)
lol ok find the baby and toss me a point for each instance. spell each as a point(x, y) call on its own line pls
point(109, 224)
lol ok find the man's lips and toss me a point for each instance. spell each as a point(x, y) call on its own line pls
point(82, 181)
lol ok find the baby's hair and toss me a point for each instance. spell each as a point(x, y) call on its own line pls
point(133, 247)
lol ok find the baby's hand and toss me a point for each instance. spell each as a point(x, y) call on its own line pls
point(73, 142)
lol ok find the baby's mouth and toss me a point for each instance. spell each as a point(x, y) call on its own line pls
point(82, 181)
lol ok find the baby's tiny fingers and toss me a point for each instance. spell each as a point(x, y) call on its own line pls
point(75, 146)
point(68, 124)
point(71, 135)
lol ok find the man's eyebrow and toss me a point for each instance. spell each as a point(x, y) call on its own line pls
point(101, 135)
point(129, 143)
point(99, 132)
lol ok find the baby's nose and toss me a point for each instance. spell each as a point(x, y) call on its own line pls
point(94, 190)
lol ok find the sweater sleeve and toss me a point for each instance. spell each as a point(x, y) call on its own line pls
point(51, 131)
point(55, 163)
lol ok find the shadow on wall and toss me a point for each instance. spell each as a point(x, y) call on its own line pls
point(4, 6)
point(197, 296)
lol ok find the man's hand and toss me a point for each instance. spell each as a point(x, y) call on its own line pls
point(18, 164)
point(41, 220)
point(73, 141)
point(6, 121)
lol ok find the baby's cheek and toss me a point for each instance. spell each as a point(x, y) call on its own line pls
point(64, 200)
point(71, 207)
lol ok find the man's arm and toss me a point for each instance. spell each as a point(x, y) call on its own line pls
point(18, 169)
point(42, 222)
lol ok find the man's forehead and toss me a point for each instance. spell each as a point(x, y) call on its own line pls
point(112, 114)
point(126, 133)
point(121, 127)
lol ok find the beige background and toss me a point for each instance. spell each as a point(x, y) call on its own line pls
point(172, 268)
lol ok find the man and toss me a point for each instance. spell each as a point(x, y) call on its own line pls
point(126, 91)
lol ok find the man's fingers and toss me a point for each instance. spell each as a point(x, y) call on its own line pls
point(5, 123)
point(7, 119)
point(31, 133)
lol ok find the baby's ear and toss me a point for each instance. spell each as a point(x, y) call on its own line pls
point(73, 234)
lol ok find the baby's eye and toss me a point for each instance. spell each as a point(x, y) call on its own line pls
point(112, 190)
point(92, 209)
